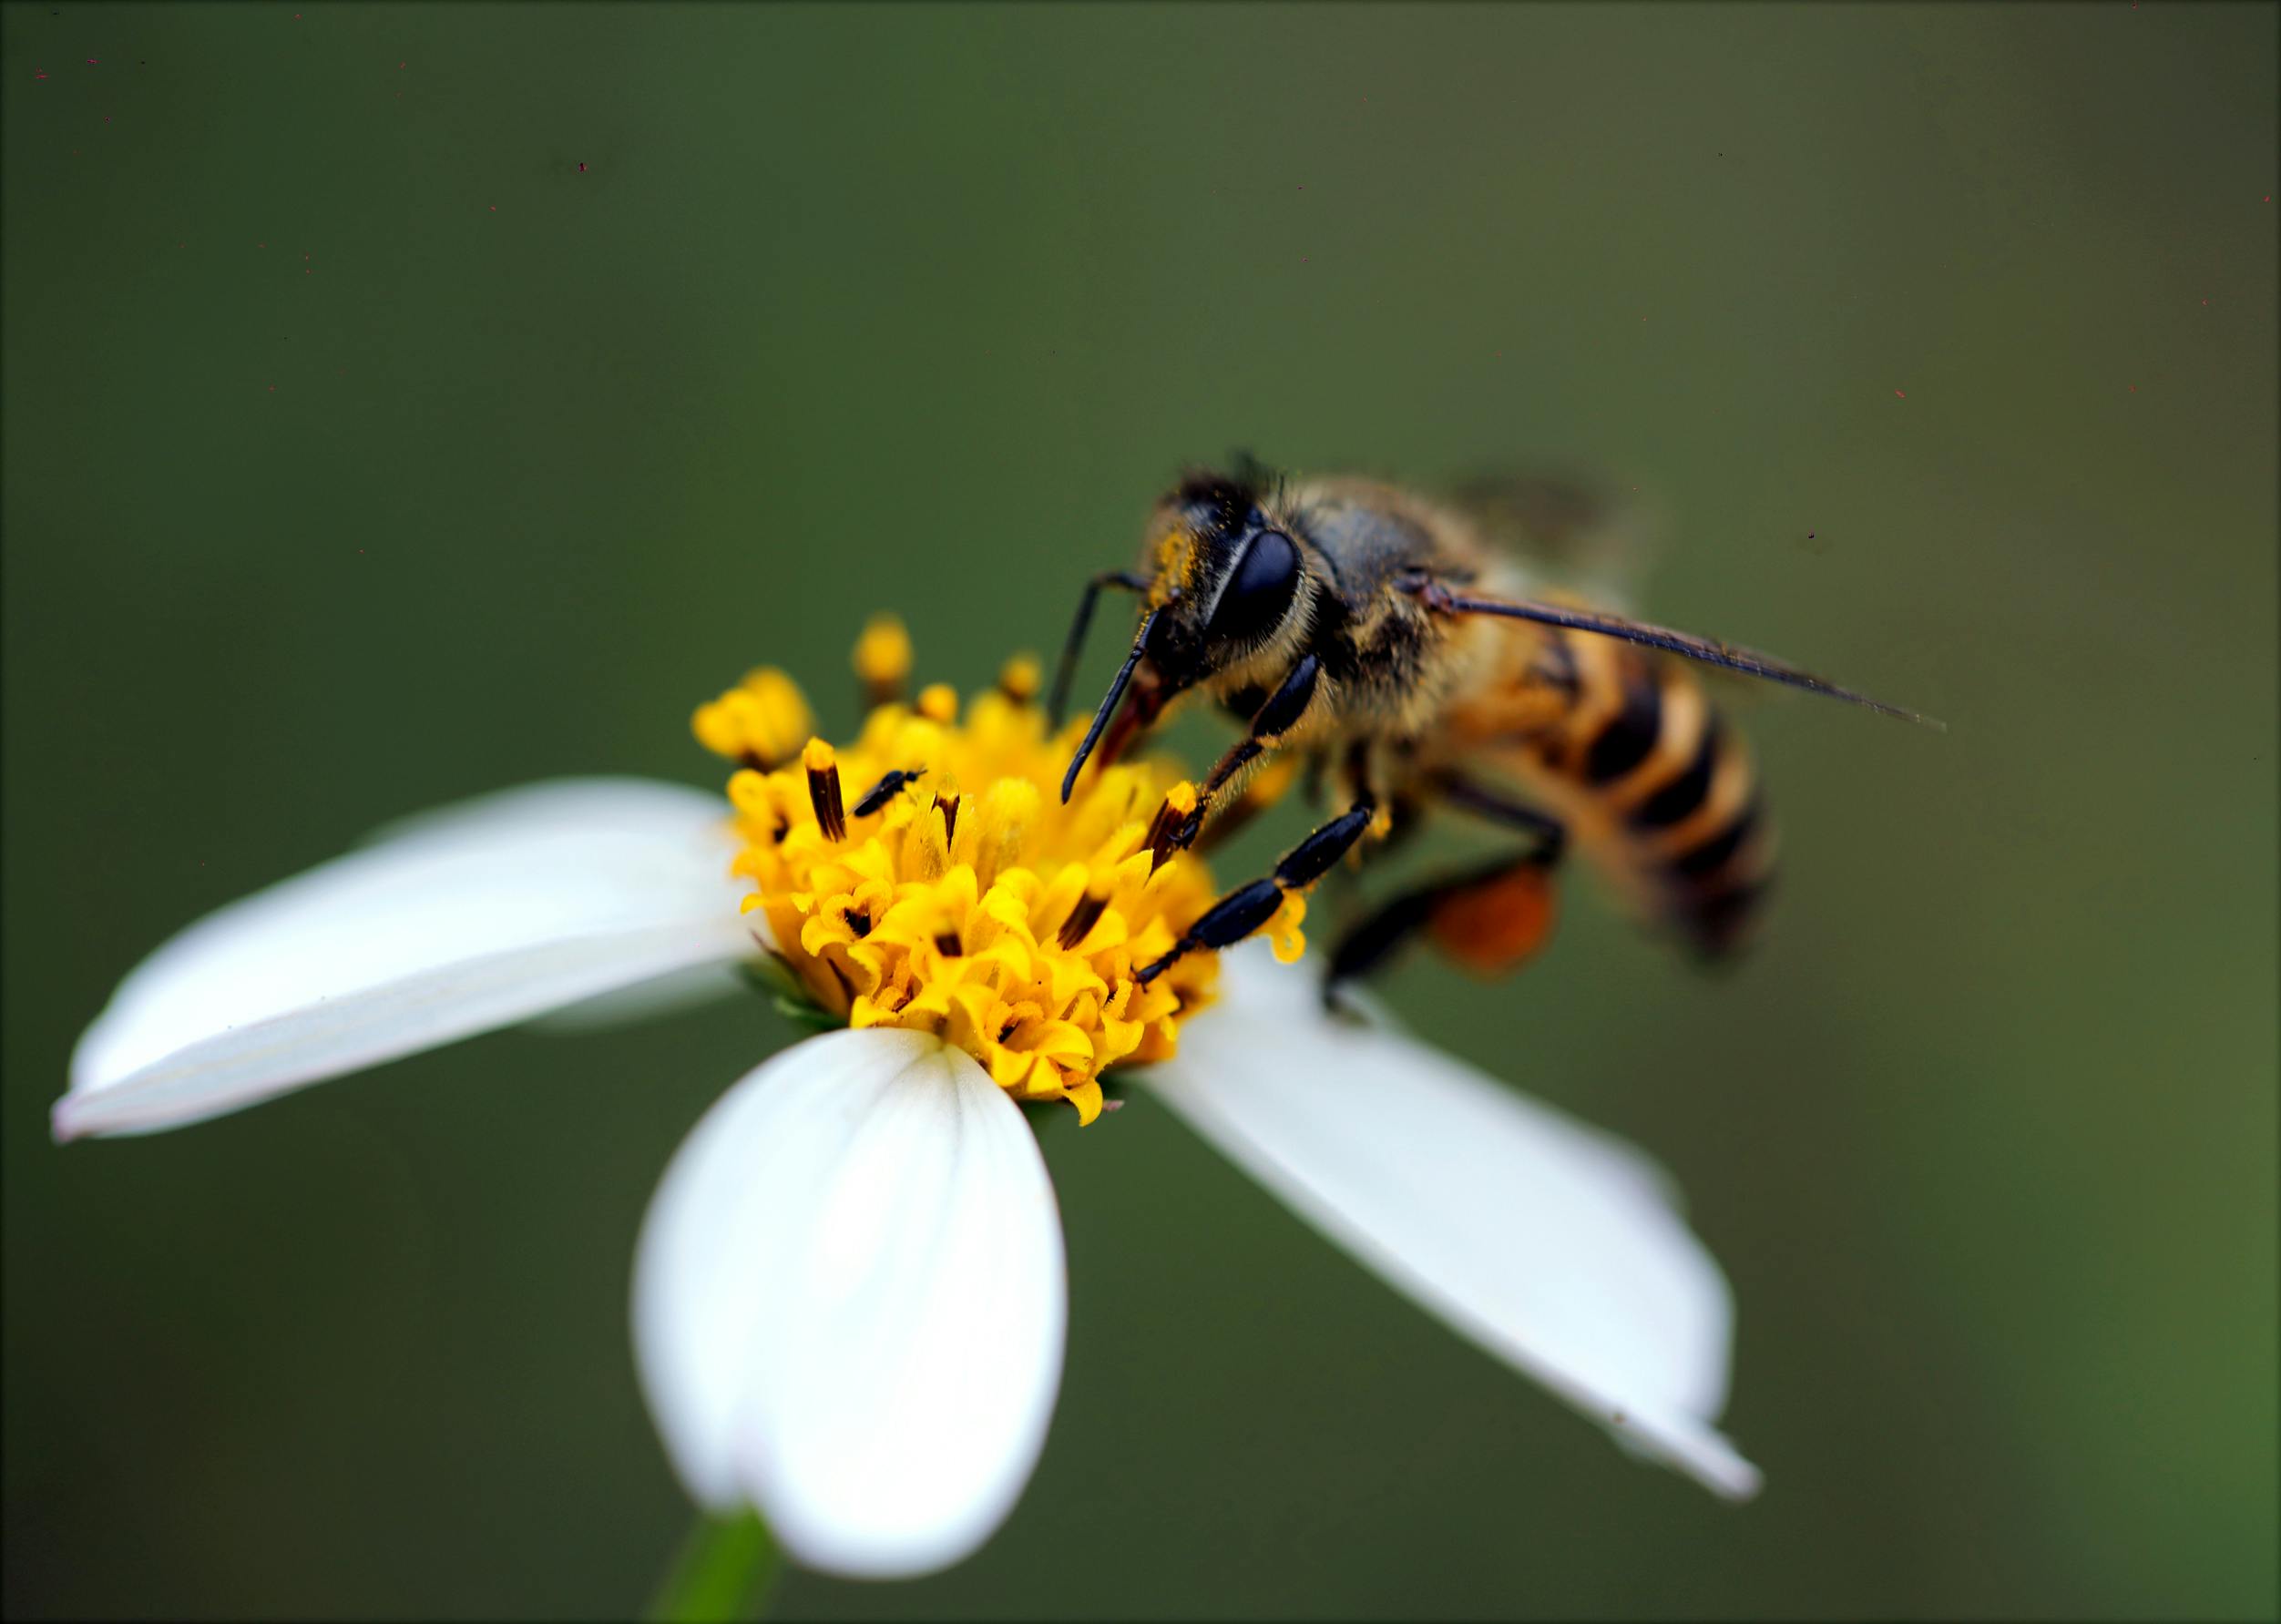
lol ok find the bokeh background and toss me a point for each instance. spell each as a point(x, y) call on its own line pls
point(406, 402)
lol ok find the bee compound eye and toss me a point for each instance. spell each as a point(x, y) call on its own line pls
point(1259, 589)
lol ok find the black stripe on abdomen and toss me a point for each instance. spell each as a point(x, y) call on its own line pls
point(1680, 798)
point(1718, 885)
point(1630, 734)
point(1710, 855)
point(1698, 841)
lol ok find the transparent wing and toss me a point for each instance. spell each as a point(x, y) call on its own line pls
point(1579, 531)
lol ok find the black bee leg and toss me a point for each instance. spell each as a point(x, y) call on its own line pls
point(1277, 717)
point(1240, 912)
point(1074, 645)
point(1491, 917)
point(1262, 793)
point(1366, 944)
point(1460, 791)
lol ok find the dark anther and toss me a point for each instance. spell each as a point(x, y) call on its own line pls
point(824, 794)
point(948, 806)
point(1081, 917)
point(948, 946)
point(858, 920)
point(756, 761)
point(878, 795)
point(1164, 830)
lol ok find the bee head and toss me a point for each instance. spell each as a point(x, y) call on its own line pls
point(1227, 590)
point(1226, 582)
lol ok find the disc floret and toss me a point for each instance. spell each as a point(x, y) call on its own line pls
point(928, 876)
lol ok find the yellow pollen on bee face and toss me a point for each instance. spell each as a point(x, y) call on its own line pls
point(1175, 553)
point(1005, 922)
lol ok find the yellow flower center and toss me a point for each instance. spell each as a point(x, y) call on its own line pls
point(928, 876)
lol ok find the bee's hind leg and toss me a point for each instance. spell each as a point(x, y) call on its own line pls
point(1491, 918)
point(1242, 910)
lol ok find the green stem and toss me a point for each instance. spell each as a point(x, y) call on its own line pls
point(723, 1574)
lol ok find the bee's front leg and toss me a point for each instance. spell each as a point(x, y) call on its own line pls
point(1274, 719)
point(1240, 912)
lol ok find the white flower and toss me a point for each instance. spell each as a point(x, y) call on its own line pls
point(850, 1297)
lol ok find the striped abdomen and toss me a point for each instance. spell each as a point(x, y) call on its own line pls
point(1655, 785)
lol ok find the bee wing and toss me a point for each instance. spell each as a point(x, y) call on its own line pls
point(1577, 530)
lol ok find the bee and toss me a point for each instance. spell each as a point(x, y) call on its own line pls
point(1384, 641)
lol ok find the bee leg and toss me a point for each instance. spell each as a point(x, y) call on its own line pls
point(1370, 942)
point(1277, 717)
point(1550, 833)
point(1398, 826)
point(1490, 918)
point(1242, 910)
point(1404, 822)
point(1266, 789)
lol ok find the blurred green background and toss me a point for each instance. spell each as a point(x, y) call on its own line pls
point(402, 402)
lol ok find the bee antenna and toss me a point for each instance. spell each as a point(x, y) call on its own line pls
point(1058, 698)
point(1709, 650)
point(1108, 703)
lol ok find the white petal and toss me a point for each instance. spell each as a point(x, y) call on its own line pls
point(453, 924)
point(850, 1301)
point(649, 1000)
point(1552, 1245)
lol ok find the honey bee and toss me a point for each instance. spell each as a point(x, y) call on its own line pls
point(1384, 640)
